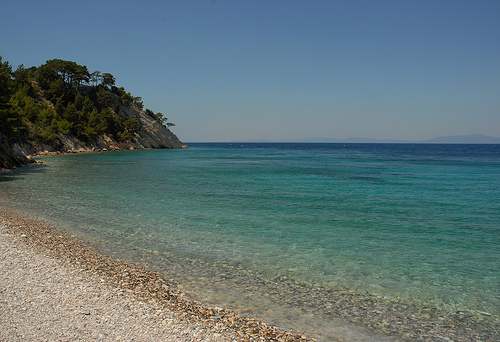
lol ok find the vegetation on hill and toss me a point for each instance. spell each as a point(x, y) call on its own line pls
point(41, 104)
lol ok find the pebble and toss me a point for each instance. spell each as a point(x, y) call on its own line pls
point(54, 288)
point(48, 296)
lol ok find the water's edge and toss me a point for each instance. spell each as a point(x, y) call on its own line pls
point(321, 313)
point(193, 245)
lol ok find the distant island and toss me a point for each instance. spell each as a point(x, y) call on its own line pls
point(456, 139)
point(62, 107)
point(465, 139)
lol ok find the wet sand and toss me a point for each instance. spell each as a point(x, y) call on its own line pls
point(106, 299)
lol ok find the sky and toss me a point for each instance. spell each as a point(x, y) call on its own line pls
point(281, 70)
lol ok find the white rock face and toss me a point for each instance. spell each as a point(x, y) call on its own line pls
point(154, 135)
point(151, 134)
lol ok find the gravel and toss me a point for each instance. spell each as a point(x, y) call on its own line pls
point(53, 288)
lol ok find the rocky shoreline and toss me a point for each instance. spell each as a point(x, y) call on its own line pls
point(96, 290)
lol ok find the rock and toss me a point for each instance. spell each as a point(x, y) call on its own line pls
point(9, 156)
point(151, 133)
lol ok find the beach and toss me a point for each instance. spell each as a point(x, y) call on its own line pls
point(258, 242)
point(53, 287)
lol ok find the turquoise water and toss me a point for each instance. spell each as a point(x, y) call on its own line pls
point(414, 222)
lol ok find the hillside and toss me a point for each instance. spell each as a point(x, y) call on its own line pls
point(62, 107)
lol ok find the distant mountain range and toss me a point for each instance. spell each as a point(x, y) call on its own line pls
point(457, 139)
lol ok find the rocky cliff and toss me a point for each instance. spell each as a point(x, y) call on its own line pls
point(148, 133)
point(9, 158)
point(61, 107)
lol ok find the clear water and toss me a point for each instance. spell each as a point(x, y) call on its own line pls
point(414, 222)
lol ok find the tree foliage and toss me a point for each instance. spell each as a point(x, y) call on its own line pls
point(62, 97)
point(8, 119)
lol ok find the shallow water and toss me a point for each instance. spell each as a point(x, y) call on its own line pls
point(412, 222)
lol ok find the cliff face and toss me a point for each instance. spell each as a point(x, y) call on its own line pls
point(151, 133)
point(61, 107)
point(9, 158)
point(148, 133)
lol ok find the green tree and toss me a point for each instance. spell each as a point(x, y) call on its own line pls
point(160, 118)
point(80, 75)
point(24, 105)
point(24, 77)
point(9, 120)
point(87, 106)
point(64, 126)
point(95, 78)
point(132, 125)
point(40, 103)
point(108, 80)
point(6, 84)
point(46, 115)
point(72, 74)
point(104, 98)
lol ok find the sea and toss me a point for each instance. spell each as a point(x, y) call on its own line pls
point(232, 222)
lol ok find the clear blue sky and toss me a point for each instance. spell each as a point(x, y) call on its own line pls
point(281, 70)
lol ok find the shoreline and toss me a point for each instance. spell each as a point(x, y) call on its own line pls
point(27, 159)
point(180, 316)
point(392, 319)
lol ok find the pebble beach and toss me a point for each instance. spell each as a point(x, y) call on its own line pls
point(55, 287)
